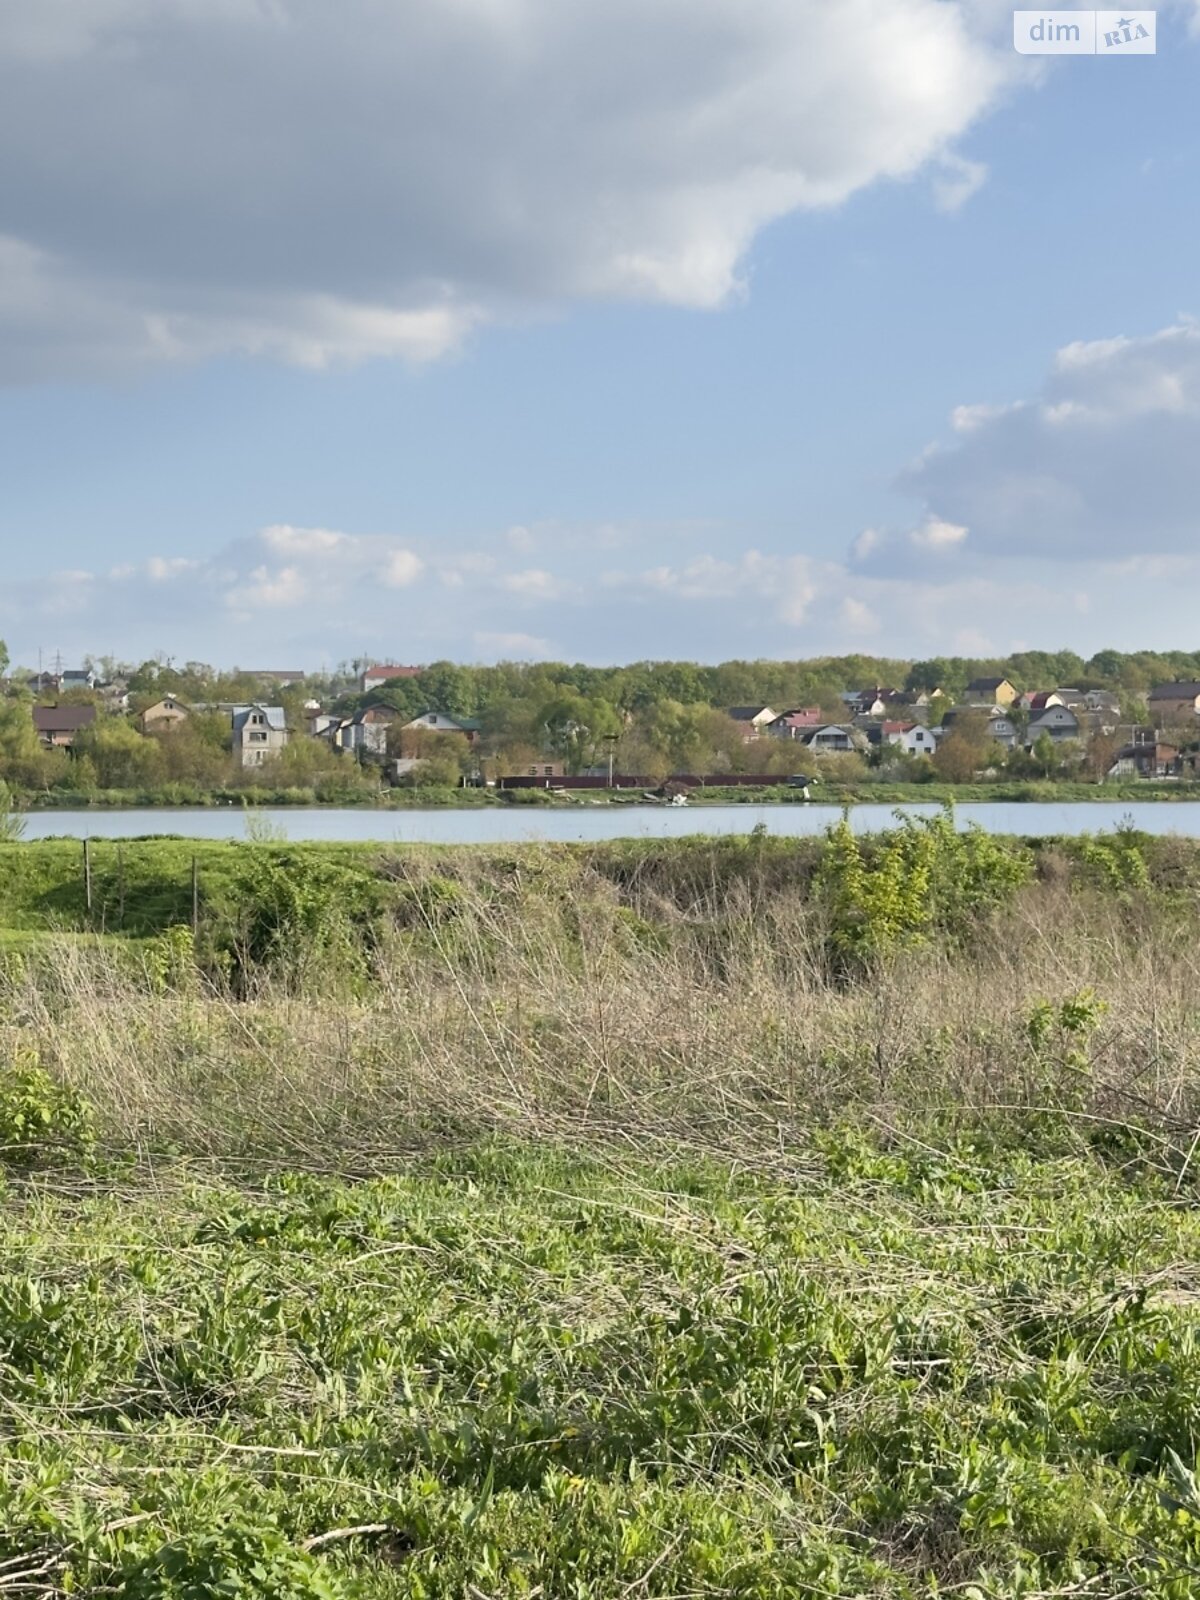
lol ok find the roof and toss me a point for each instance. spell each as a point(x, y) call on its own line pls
point(389, 671)
point(1037, 702)
point(465, 724)
point(1053, 714)
point(899, 727)
point(63, 719)
point(375, 713)
point(1160, 750)
point(1182, 690)
point(274, 715)
point(806, 717)
point(985, 685)
point(747, 713)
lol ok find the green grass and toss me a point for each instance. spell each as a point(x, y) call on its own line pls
point(597, 1222)
point(870, 1371)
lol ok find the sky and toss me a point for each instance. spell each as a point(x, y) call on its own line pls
point(619, 329)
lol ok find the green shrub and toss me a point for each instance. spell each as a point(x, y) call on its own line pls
point(42, 1121)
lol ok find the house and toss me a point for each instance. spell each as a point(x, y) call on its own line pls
point(375, 677)
point(833, 738)
point(753, 719)
point(45, 682)
point(1106, 701)
point(365, 733)
point(259, 733)
point(1058, 722)
point(1176, 701)
point(914, 738)
point(163, 714)
point(997, 725)
point(443, 722)
point(84, 678)
point(322, 724)
point(991, 691)
point(872, 702)
point(794, 724)
point(1041, 699)
point(1146, 760)
point(59, 726)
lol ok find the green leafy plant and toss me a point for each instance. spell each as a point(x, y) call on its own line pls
point(42, 1122)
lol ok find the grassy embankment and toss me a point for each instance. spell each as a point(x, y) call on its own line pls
point(734, 1217)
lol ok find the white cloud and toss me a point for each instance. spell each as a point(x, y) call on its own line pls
point(858, 616)
point(935, 534)
point(866, 544)
point(283, 587)
point(957, 181)
point(513, 646)
point(401, 569)
point(320, 184)
point(537, 585)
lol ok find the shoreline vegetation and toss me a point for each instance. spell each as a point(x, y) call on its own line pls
point(867, 791)
point(718, 1217)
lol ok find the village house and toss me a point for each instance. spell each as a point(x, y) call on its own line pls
point(991, 691)
point(997, 724)
point(443, 722)
point(1146, 760)
point(753, 719)
point(259, 732)
point(914, 738)
point(1175, 701)
point(834, 738)
point(58, 726)
point(871, 702)
point(1058, 722)
point(81, 678)
point(376, 676)
point(1040, 700)
point(1102, 700)
point(794, 724)
point(323, 725)
point(366, 732)
point(163, 714)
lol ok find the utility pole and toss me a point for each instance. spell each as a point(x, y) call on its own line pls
point(610, 740)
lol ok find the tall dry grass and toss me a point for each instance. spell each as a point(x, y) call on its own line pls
point(713, 1023)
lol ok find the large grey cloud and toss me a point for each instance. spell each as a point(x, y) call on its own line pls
point(1102, 464)
point(328, 179)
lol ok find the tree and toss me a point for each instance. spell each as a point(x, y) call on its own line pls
point(576, 728)
point(968, 747)
point(123, 758)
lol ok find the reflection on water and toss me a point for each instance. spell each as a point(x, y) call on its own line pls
point(580, 824)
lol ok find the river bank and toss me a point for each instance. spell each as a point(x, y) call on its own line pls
point(867, 792)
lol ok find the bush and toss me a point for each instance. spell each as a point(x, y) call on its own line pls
point(42, 1122)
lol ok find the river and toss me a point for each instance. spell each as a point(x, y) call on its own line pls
point(581, 824)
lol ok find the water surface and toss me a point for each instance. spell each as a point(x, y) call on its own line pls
point(582, 823)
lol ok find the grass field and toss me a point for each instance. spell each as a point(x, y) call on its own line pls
point(728, 1219)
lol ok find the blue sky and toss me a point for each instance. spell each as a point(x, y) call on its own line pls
point(794, 329)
